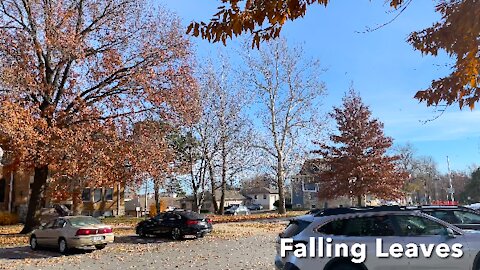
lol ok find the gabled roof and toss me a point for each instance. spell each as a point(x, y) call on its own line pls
point(261, 190)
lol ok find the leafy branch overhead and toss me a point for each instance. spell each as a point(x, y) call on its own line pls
point(457, 33)
point(263, 19)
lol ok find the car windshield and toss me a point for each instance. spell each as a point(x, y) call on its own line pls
point(84, 221)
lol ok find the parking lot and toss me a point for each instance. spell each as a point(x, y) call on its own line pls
point(246, 245)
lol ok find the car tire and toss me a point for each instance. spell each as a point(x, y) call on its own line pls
point(100, 247)
point(176, 234)
point(62, 246)
point(344, 266)
point(33, 242)
point(141, 232)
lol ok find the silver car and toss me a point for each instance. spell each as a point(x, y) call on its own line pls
point(363, 238)
point(70, 232)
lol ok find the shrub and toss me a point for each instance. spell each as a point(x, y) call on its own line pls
point(287, 205)
point(153, 210)
point(8, 219)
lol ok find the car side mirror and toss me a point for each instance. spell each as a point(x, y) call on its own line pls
point(450, 233)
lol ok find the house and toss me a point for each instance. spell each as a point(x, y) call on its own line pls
point(231, 197)
point(305, 189)
point(98, 201)
point(137, 206)
point(263, 196)
point(14, 191)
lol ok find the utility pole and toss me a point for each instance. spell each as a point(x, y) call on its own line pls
point(146, 196)
point(450, 190)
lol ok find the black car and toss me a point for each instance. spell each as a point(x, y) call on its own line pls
point(462, 217)
point(176, 224)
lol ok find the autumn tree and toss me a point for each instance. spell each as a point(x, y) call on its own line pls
point(457, 33)
point(155, 159)
point(74, 71)
point(356, 159)
point(288, 91)
point(223, 129)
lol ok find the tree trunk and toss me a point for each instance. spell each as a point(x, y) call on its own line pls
point(156, 192)
point(77, 201)
point(37, 189)
point(281, 186)
point(221, 209)
point(359, 200)
point(213, 187)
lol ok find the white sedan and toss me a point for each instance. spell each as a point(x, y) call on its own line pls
point(66, 233)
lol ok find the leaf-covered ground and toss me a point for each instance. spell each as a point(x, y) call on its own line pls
point(245, 245)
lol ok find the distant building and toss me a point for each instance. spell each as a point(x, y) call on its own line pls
point(263, 196)
point(98, 201)
point(137, 206)
point(231, 197)
point(306, 187)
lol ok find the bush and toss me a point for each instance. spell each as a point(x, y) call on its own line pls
point(204, 211)
point(287, 205)
point(8, 219)
point(152, 210)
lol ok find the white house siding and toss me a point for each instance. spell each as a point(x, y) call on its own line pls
point(266, 200)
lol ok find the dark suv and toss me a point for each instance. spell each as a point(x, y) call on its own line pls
point(462, 217)
point(176, 224)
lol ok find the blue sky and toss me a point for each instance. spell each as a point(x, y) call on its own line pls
point(381, 65)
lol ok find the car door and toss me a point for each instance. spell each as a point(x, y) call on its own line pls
point(171, 221)
point(57, 231)
point(43, 234)
point(420, 230)
point(363, 232)
point(154, 226)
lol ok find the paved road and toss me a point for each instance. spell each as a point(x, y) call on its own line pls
point(248, 249)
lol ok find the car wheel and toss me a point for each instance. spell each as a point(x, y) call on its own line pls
point(176, 234)
point(62, 246)
point(100, 247)
point(344, 266)
point(200, 235)
point(141, 232)
point(33, 242)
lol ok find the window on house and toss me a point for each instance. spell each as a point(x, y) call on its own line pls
point(264, 196)
point(86, 195)
point(3, 189)
point(109, 194)
point(97, 195)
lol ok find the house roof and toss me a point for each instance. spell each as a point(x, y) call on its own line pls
point(261, 190)
point(139, 201)
point(230, 195)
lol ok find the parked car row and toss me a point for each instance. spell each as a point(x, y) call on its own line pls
point(72, 232)
point(425, 225)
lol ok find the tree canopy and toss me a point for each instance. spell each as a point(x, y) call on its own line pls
point(457, 33)
point(355, 163)
point(76, 74)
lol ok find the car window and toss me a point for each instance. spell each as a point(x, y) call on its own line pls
point(447, 216)
point(294, 227)
point(159, 217)
point(467, 217)
point(419, 226)
point(49, 225)
point(59, 223)
point(84, 221)
point(361, 226)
